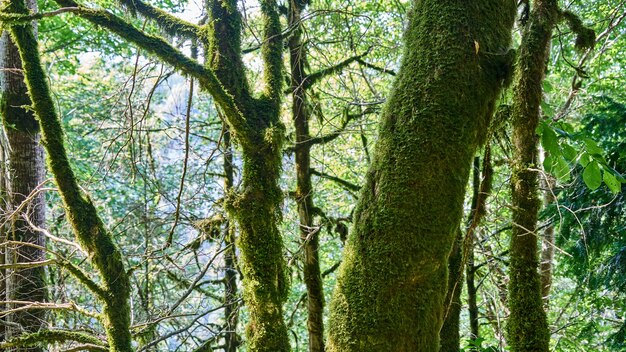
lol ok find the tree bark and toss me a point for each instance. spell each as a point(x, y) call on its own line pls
point(304, 189)
point(393, 280)
point(527, 324)
point(25, 173)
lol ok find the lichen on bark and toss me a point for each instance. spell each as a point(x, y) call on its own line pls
point(393, 280)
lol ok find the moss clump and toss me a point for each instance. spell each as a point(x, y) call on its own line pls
point(585, 36)
point(51, 336)
point(393, 279)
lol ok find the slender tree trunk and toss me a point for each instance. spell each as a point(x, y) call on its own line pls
point(81, 213)
point(527, 324)
point(304, 188)
point(450, 332)
point(393, 279)
point(25, 172)
point(548, 238)
point(231, 310)
point(472, 294)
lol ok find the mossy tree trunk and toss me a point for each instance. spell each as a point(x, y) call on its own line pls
point(26, 172)
point(304, 189)
point(527, 326)
point(81, 213)
point(256, 206)
point(393, 280)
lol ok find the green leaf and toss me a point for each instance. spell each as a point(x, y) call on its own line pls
point(547, 109)
point(592, 175)
point(584, 159)
point(592, 146)
point(561, 170)
point(550, 142)
point(548, 164)
point(569, 152)
point(614, 185)
point(547, 87)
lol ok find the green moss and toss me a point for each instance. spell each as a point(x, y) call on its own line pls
point(265, 285)
point(393, 279)
point(51, 336)
point(585, 36)
point(272, 52)
point(171, 24)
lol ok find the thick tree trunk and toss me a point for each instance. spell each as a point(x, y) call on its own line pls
point(257, 210)
point(393, 280)
point(527, 324)
point(304, 188)
point(25, 173)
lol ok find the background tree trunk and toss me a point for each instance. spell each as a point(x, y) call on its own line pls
point(450, 332)
point(393, 280)
point(26, 171)
point(548, 238)
point(231, 309)
point(304, 189)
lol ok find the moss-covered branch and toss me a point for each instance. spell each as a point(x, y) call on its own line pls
point(84, 278)
point(170, 23)
point(585, 36)
point(377, 68)
point(343, 183)
point(51, 336)
point(272, 52)
point(7, 19)
point(81, 213)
